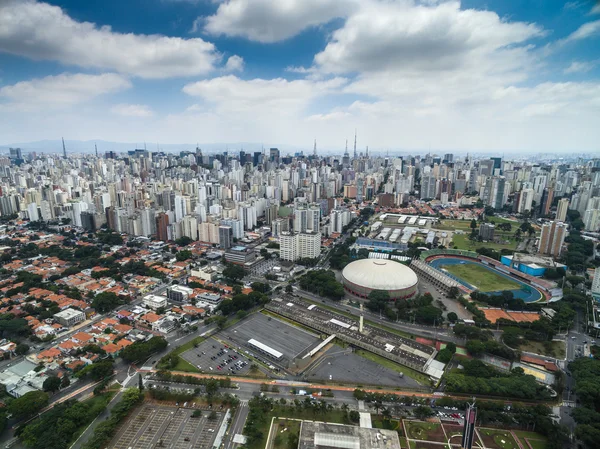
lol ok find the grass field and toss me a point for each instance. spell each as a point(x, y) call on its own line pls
point(480, 277)
point(285, 432)
point(554, 349)
point(462, 242)
point(334, 416)
point(496, 438)
point(425, 431)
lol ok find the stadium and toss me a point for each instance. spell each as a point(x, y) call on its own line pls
point(476, 272)
point(361, 277)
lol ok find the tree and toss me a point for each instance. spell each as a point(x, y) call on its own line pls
point(289, 288)
point(105, 302)
point(140, 382)
point(473, 224)
point(423, 412)
point(378, 300)
point(52, 384)
point(183, 255)
point(234, 272)
point(452, 317)
point(453, 292)
point(28, 404)
point(22, 349)
point(65, 382)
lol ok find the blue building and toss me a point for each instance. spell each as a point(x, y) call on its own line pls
point(530, 264)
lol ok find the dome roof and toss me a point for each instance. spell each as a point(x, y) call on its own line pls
point(378, 274)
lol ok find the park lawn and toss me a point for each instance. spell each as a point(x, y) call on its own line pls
point(419, 377)
point(461, 241)
point(334, 416)
point(184, 365)
point(425, 431)
point(554, 349)
point(502, 438)
point(536, 444)
point(284, 428)
point(480, 277)
point(389, 424)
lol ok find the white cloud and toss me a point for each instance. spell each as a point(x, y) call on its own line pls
point(580, 67)
point(257, 96)
point(595, 9)
point(585, 31)
point(406, 36)
point(61, 91)
point(44, 32)
point(270, 21)
point(234, 64)
point(132, 110)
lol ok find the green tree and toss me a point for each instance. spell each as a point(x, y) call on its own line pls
point(452, 317)
point(105, 302)
point(28, 404)
point(378, 300)
point(22, 349)
point(183, 255)
point(423, 412)
point(52, 384)
point(234, 272)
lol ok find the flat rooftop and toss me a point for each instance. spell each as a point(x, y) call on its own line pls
point(319, 435)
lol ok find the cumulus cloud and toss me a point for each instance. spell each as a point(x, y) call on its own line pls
point(61, 91)
point(234, 64)
point(405, 35)
point(270, 21)
point(132, 110)
point(44, 32)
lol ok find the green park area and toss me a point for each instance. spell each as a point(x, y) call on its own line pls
point(480, 277)
point(425, 431)
point(461, 241)
point(498, 439)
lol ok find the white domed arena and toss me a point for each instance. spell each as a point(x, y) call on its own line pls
point(361, 277)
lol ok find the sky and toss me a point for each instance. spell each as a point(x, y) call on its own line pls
point(488, 76)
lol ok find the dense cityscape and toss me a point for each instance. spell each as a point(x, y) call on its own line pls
point(433, 278)
point(299, 224)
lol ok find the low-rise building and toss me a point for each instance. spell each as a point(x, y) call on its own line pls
point(155, 302)
point(179, 293)
point(69, 317)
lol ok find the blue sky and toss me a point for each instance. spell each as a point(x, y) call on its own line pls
point(408, 74)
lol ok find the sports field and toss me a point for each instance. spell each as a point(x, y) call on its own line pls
point(484, 279)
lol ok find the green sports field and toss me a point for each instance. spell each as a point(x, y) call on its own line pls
point(480, 277)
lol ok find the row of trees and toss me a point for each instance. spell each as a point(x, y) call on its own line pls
point(56, 428)
point(586, 373)
point(142, 350)
point(106, 429)
point(479, 378)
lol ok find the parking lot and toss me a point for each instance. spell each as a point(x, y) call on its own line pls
point(213, 357)
point(339, 365)
point(291, 341)
point(167, 427)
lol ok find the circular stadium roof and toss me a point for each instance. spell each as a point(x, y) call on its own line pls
point(378, 274)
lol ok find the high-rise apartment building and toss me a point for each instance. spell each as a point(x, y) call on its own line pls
point(561, 211)
point(300, 245)
point(162, 226)
point(552, 238)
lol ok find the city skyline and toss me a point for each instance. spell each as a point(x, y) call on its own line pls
point(462, 77)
